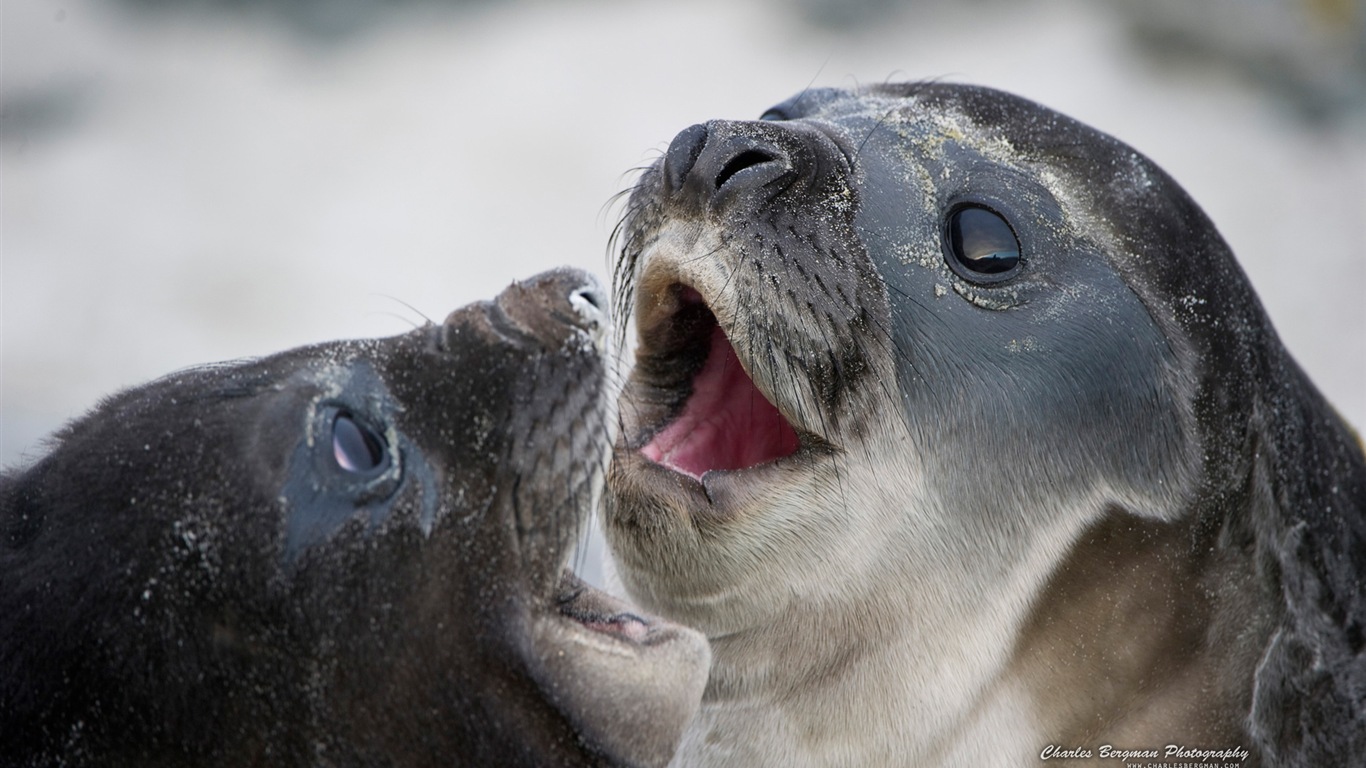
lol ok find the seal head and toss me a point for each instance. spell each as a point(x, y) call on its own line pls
point(938, 396)
point(348, 554)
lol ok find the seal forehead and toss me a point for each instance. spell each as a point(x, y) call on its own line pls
point(936, 131)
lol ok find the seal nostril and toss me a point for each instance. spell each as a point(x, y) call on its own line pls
point(747, 159)
point(590, 303)
point(682, 155)
point(590, 295)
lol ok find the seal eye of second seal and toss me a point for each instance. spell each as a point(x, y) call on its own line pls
point(352, 463)
point(980, 245)
point(355, 447)
point(357, 450)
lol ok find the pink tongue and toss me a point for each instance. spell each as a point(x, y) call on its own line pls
point(726, 424)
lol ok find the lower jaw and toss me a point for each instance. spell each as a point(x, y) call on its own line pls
point(687, 577)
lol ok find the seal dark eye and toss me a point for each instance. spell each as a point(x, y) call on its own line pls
point(981, 243)
point(355, 446)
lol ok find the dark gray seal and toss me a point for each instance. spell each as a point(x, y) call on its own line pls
point(349, 554)
point(957, 428)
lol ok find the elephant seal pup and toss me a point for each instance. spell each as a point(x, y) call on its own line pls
point(351, 554)
point(956, 427)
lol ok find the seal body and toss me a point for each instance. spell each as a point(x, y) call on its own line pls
point(958, 429)
point(346, 554)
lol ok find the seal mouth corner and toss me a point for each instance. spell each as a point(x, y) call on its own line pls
point(708, 414)
point(600, 614)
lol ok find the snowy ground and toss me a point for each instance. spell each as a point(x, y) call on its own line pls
point(181, 187)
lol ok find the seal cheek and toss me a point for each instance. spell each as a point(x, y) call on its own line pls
point(726, 423)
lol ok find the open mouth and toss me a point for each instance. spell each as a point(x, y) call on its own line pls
point(716, 419)
point(599, 612)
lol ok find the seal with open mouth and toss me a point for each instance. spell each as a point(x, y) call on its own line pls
point(957, 428)
point(351, 554)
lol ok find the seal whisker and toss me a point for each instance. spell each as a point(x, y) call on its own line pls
point(408, 321)
point(809, 83)
point(918, 303)
point(414, 310)
point(827, 428)
point(885, 116)
point(629, 191)
point(883, 335)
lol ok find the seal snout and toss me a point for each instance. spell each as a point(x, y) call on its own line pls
point(589, 302)
point(545, 310)
point(721, 163)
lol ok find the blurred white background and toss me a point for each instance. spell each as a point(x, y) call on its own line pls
point(196, 181)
